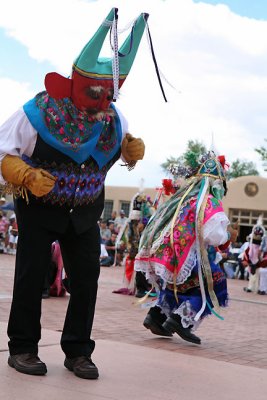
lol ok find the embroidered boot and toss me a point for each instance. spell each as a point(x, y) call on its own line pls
point(154, 320)
point(173, 324)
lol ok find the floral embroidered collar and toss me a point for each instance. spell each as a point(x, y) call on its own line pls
point(73, 132)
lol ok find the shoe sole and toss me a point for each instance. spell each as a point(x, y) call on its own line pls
point(24, 370)
point(154, 328)
point(85, 375)
point(174, 328)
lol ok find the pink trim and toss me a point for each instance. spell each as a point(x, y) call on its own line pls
point(183, 239)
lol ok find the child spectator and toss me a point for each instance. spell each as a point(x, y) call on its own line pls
point(12, 235)
point(105, 259)
point(3, 231)
point(120, 221)
point(105, 232)
point(111, 227)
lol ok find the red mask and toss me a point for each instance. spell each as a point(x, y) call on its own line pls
point(91, 95)
point(88, 94)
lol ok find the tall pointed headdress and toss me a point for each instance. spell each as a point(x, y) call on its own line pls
point(91, 70)
point(258, 231)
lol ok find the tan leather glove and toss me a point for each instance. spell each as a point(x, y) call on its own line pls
point(132, 149)
point(17, 172)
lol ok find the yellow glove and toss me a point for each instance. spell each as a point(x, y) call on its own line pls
point(132, 149)
point(17, 172)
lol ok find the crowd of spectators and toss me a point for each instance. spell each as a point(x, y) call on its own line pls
point(112, 249)
point(234, 261)
point(113, 243)
point(236, 264)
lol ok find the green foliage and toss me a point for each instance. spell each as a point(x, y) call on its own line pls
point(195, 147)
point(242, 168)
point(190, 157)
point(262, 151)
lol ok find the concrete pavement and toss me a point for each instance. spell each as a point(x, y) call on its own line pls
point(231, 362)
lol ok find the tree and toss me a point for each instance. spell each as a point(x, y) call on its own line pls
point(193, 150)
point(242, 168)
point(171, 160)
point(262, 151)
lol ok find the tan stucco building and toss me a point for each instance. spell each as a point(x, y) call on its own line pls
point(119, 197)
point(246, 200)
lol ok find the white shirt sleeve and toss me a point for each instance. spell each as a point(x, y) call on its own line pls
point(124, 128)
point(242, 250)
point(17, 137)
point(215, 230)
point(104, 252)
point(124, 123)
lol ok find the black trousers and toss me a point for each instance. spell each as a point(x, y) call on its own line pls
point(141, 283)
point(81, 260)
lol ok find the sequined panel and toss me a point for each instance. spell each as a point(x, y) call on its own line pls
point(76, 185)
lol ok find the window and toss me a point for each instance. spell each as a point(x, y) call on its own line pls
point(246, 217)
point(125, 205)
point(108, 208)
point(234, 212)
point(244, 221)
point(245, 213)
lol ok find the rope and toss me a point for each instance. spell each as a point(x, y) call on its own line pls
point(155, 62)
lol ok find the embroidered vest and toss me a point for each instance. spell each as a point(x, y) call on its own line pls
point(78, 195)
point(73, 147)
point(77, 184)
point(79, 153)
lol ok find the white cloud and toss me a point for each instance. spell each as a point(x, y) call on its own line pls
point(13, 96)
point(214, 58)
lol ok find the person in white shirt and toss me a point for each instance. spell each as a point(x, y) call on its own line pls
point(55, 153)
point(120, 221)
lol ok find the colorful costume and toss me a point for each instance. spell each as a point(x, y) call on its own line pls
point(263, 267)
point(57, 288)
point(140, 212)
point(177, 252)
point(252, 257)
point(55, 154)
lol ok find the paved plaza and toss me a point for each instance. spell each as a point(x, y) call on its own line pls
point(231, 362)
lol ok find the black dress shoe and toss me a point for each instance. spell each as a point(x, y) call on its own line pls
point(155, 326)
point(27, 363)
point(82, 366)
point(173, 324)
point(247, 290)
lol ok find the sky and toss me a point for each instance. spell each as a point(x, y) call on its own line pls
point(212, 56)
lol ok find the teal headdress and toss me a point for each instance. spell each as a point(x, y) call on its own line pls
point(212, 167)
point(89, 65)
point(91, 70)
point(208, 164)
